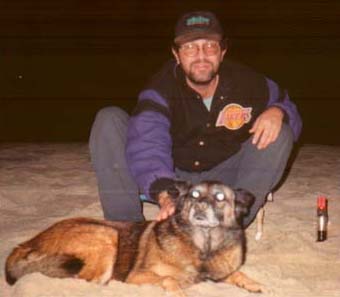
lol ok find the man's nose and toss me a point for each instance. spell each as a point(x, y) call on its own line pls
point(201, 54)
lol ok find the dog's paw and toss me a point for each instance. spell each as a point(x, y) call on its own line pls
point(171, 285)
point(255, 287)
point(241, 280)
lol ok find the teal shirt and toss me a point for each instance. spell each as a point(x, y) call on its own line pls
point(207, 102)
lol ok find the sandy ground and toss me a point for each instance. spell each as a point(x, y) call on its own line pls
point(43, 183)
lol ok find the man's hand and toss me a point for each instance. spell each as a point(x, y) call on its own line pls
point(267, 127)
point(167, 206)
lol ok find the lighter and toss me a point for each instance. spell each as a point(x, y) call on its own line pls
point(322, 217)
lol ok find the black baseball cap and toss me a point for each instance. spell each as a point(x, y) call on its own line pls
point(196, 25)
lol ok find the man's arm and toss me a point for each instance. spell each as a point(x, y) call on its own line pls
point(279, 97)
point(149, 145)
point(268, 125)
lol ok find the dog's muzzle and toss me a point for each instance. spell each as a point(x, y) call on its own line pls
point(202, 214)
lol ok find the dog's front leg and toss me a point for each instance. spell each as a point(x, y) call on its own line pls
point(241, 280)
point(168, 283)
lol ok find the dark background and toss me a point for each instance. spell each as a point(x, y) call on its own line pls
point(61, 61)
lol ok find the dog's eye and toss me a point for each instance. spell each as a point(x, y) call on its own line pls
point(195, 194)
point(219, 196)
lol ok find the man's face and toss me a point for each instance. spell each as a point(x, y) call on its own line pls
point(200, 60)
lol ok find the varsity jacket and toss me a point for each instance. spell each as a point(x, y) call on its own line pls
point(172, 128)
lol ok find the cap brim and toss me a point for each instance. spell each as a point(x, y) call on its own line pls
point(197, 35)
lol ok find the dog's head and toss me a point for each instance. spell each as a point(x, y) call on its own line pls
point(210, 204)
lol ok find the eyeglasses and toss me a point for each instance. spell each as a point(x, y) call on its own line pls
point(190, 49)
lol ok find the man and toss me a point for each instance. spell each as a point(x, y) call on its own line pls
point(201, 117)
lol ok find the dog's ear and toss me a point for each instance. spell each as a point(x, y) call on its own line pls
point(179, 188)
point(182, 187)
point(243, 201)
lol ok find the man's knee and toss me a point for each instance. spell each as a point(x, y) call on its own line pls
point(285, 136)
point(108, 120)
point(109, 127)
point(282, 144)
point(108, 115)
point(281, 148)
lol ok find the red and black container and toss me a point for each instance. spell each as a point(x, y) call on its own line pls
point(322, 218)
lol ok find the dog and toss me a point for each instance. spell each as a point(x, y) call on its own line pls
point(202, 240)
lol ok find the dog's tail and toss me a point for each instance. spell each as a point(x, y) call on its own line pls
point(24, 260)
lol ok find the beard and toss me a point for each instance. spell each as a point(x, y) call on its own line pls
point(201, 78)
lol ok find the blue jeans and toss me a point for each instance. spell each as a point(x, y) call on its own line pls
point(257, 171)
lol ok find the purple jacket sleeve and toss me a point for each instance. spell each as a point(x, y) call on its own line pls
point(149, 145)
point(280, 98)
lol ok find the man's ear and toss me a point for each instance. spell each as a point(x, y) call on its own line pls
point(243, 201)
point(224, 51)
point(175, 53)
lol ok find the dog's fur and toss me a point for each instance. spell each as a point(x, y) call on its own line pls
point(203, 240)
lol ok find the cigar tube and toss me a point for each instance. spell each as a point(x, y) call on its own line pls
point(322, 219)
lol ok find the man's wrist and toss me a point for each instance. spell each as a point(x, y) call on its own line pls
point(279, 110)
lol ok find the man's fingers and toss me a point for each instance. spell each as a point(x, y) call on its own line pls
point(166, 210)
point(263, 143)
point(267, 127)
point(265, 139)
point(265, 134)
point(268, 136)
point(164, 214)
point(160, 216)
point(257, 135)
point(254, 127)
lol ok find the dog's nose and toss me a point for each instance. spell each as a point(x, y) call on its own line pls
point(200, 213)
point(200, 216)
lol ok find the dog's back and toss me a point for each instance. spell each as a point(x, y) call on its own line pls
point(82, 247)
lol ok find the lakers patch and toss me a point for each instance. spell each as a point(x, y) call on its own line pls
point(233, 116)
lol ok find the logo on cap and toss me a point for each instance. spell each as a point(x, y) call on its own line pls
point(196, 25)
point(198, 21)
point(233, 116)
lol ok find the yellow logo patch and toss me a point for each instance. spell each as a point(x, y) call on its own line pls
point(233, 116)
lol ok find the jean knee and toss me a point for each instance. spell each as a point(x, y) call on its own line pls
point(285, 137)
point(108, 114)
point(109, 122)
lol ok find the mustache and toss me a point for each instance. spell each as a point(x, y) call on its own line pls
point(201, 61)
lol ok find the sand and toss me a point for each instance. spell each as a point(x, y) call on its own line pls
point(43, 183)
